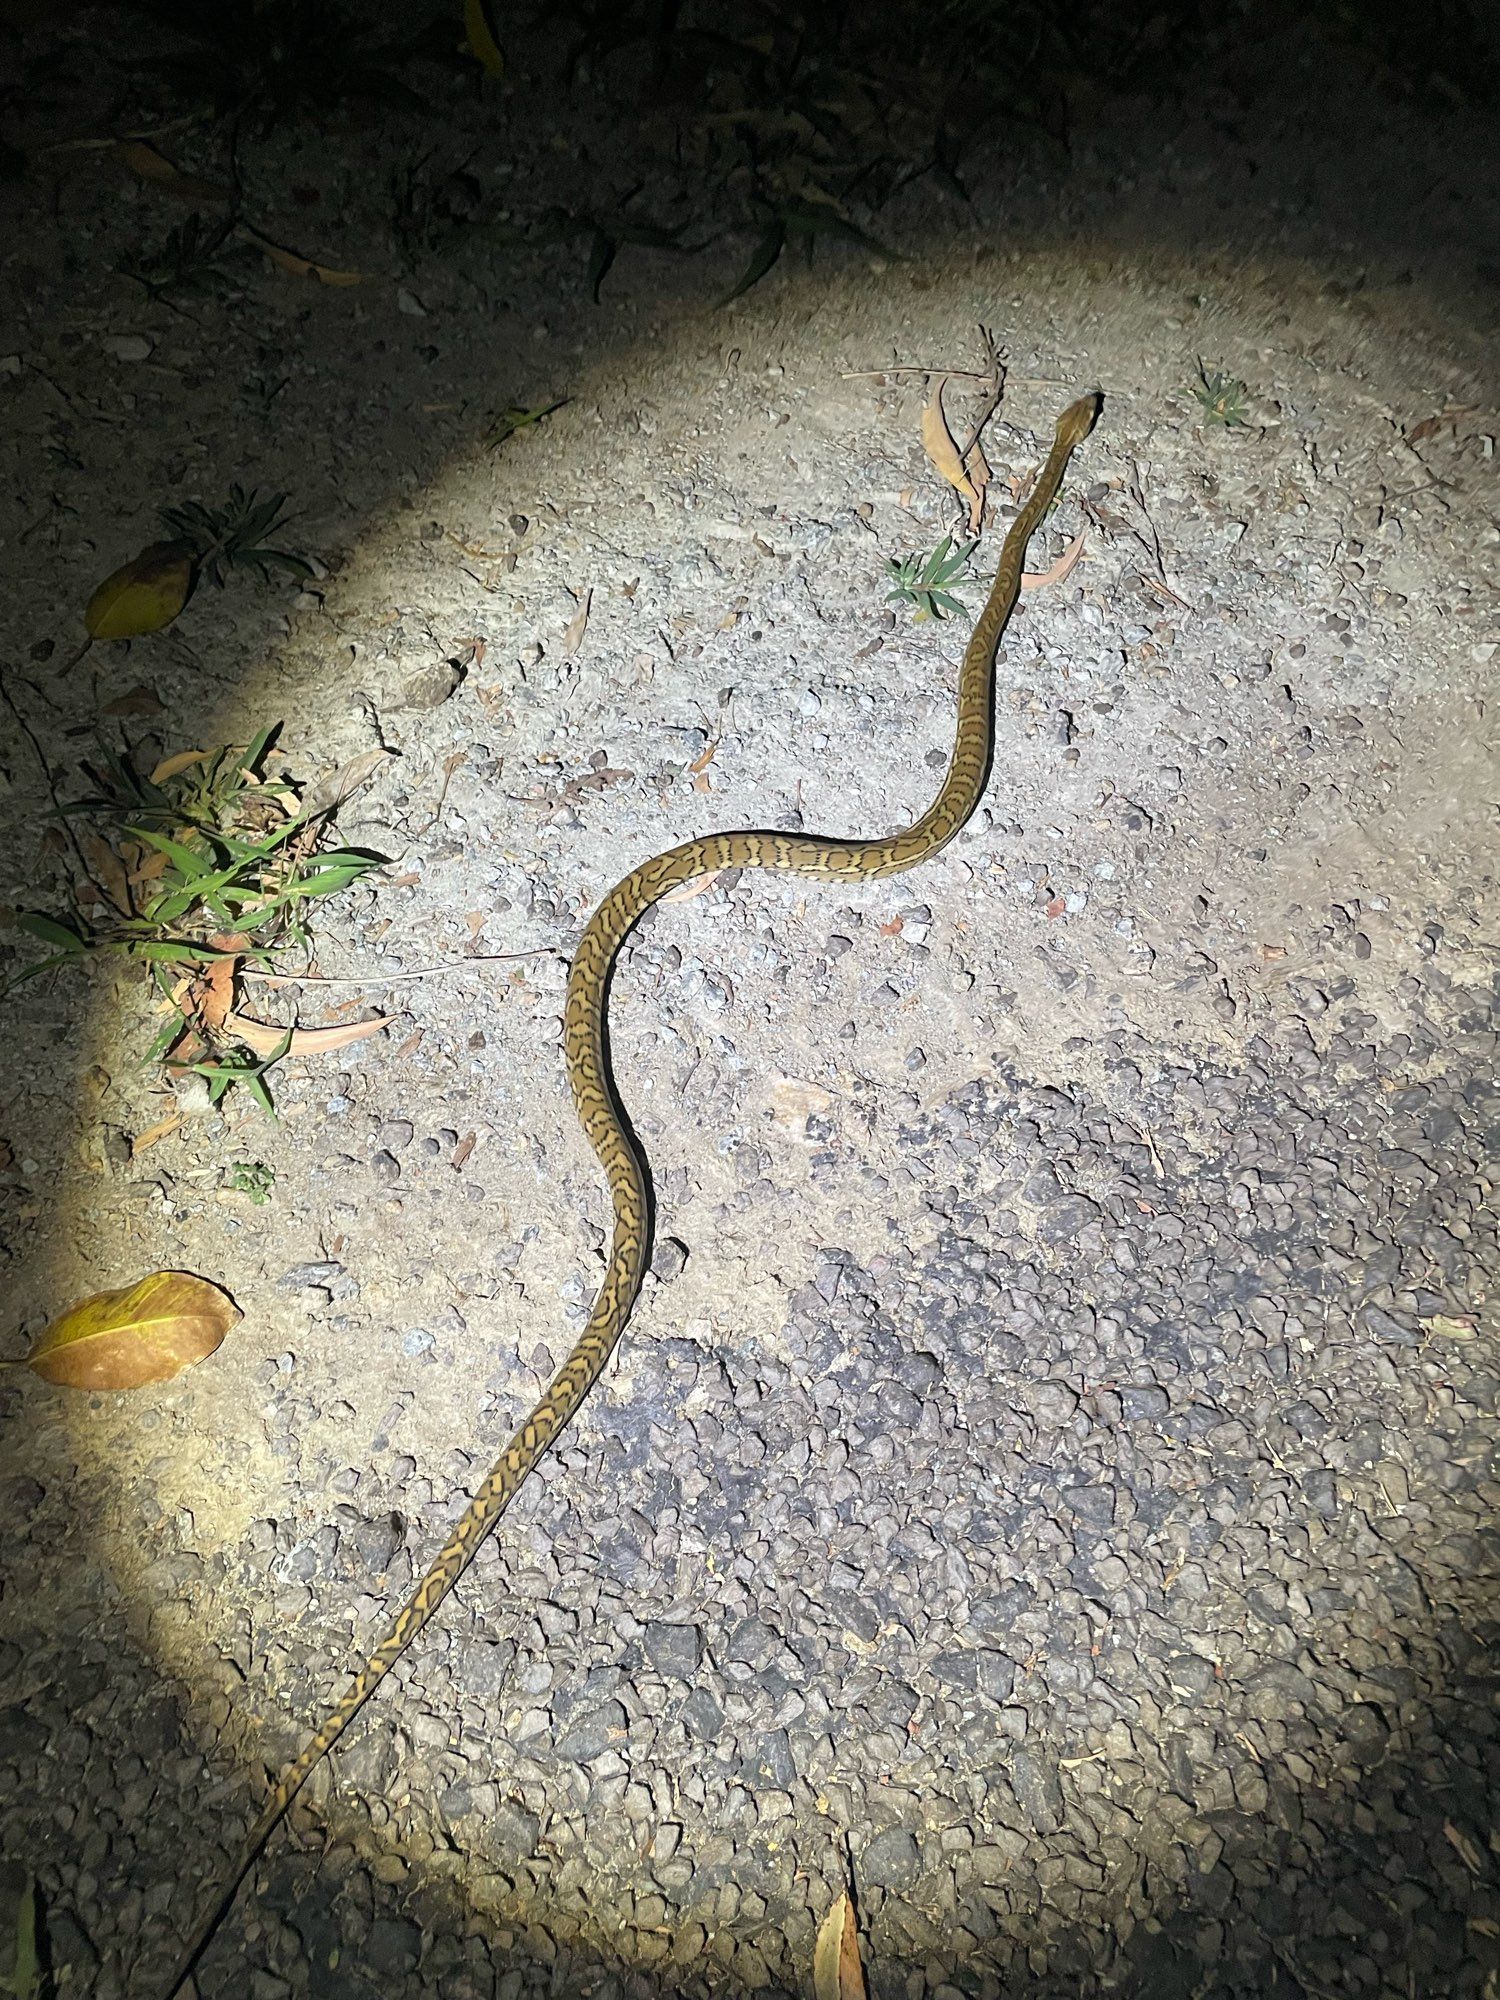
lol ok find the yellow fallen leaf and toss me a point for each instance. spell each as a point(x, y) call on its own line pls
point(146, 1332)
point(142, 595)
point(937, 442)
point(480, 37)
point(1037, 579)
point(837, 1972)
point(265, 1039)
point(147, 164)
point(177, 763)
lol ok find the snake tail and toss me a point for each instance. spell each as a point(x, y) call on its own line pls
point(605, 1126)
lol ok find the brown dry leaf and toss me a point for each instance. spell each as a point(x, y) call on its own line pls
point(300, 267)
point(837, 1972)
point(146, 1332)
point(578, 624)
point(135, 701)
point(142, 595)
point(216, 999)
point(702, 762)
point(108, 871)
point(265, 1040)
point(329, 793)
point(147, 164)
point(1447, 417)
point(1037, 579)
point(937, 442)
point(463, 1149)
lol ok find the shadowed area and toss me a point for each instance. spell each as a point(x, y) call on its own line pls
point(1051, 1470)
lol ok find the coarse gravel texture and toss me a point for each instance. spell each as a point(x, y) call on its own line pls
point(1050, 1473)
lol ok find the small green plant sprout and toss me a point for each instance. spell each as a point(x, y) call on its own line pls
point(20, 1956)
point(234, 536)
point(254, 1178)
point(225, 1068)
point(193, 260)
point(1221, 398)
point(505, 423)
point(203, 844)
point(926, 582)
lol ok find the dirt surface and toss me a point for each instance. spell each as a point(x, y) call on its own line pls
point(1050, 1471)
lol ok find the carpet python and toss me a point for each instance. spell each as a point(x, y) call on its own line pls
point(604, 1123)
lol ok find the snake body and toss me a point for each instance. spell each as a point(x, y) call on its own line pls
point(603, 1120)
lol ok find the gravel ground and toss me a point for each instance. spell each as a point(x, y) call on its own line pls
point(1051, 1470)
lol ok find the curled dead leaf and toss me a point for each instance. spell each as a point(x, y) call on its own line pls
point(837, 1972)
point(299, 266)
point(696, 885)
point(146, 1332)
point(142, 595)
point(938, 443)
point(339, 786)
point(1037, 579)
point(578, 624)
point(216, 991)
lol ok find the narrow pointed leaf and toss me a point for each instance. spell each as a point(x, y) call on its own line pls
point(481, 38)
point(601, 257)
point(837, 1972)
point(762, 257)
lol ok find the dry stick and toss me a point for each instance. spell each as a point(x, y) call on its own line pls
point(954, 374)
point(996, 380)
point(390, 978)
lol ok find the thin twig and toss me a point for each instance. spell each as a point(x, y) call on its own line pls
point(995, 388)
point(390, 978)
point(46, 770)
point(954, 374)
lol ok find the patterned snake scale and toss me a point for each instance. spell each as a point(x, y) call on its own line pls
point(604, 1123)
